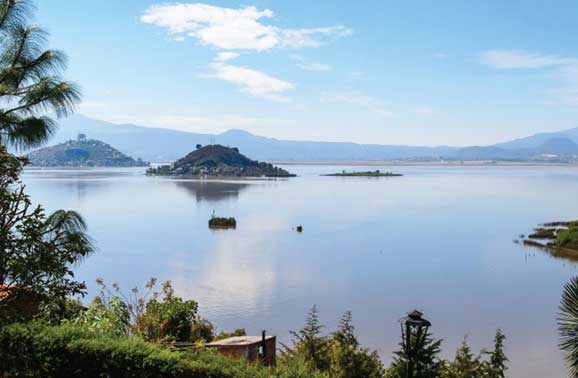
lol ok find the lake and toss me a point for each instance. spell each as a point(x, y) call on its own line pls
point(439, 239)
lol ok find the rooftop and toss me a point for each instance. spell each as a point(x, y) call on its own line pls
point(239, 341)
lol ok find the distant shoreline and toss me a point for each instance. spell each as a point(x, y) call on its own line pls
point(472, 163)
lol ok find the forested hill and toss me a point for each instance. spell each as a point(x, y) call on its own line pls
point(82, 152)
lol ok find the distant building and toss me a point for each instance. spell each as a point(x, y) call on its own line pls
point(251, 348)
point(81, 138)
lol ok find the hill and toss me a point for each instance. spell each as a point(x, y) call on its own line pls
point(217, 160)
point(82, 152)
point(157, 144)
point(536, 140)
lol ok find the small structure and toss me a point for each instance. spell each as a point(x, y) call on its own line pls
point(252, 348)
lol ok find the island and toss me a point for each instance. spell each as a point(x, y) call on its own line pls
point(222, 222)
point(82, 152)
point(556, 236)
point(376, 173)
point(218, 161)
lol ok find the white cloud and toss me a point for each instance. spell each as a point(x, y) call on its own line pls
point(511, 59)
point(306, 65)
point(253, 82)
point(234, 28)
point(224, 56)
point(425, 111)
point(372, 104)
point(564, 68)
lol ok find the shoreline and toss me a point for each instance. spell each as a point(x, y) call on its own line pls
point(468, 163)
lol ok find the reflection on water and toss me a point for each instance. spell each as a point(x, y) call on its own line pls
point(211, 190)
point(438, 239)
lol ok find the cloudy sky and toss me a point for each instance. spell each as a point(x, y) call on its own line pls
point(391, 72)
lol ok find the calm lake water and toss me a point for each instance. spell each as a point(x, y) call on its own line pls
point(439, 239)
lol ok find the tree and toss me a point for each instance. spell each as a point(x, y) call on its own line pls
point(348, 360)
point(37, 251)
point(308, 343)
point(30, 80)
point(426, 361)
point(464, 365)
point(498, 360)
point(568, 325)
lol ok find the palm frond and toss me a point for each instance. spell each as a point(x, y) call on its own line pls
point(568, 325)
point(49, 94)
point(27, 133)
point(14, 13)
point(30, 81)
point(66, 221)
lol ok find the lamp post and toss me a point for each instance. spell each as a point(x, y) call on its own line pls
point(413, 332)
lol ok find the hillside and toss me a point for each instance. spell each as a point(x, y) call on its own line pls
point(82, 152)
point(157, 144)
point(217, 160)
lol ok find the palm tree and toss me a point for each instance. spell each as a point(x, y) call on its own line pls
point(568, 325)
point(31, 88)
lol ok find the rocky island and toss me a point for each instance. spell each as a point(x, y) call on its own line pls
point(82, 152)
point(555, 236)
point(375, 173)
point(218, 161)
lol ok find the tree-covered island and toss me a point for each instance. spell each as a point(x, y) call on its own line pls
point(82, 152)
point(218, 161)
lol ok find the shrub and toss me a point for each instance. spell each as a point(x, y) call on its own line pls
point(40, 350)
point(568, 238)
point(168, 319)
point(339, 355)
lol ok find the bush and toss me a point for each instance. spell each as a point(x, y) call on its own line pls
point(339, 355)
point(568, 238)
point(40, 350)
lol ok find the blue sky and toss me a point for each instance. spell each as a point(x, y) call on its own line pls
point(404, 72)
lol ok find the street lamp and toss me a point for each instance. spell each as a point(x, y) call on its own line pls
point(413, 332)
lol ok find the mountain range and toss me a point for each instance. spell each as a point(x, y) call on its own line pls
point(157, 144)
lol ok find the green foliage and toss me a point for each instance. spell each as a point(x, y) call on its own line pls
point(111, 317)
point(338, 355)
point(309, 345)
point(169, 319)
point(568, 238)
point(225, 335)
point(347, 359)
point(37, 251)
point(158, 317)
point(30, 79)
point(426, 363)
point(38, 350)
point(568, 325)
point(498, 360)
point(464, 365)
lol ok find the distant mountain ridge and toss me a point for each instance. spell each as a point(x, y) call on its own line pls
point(157, 144)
